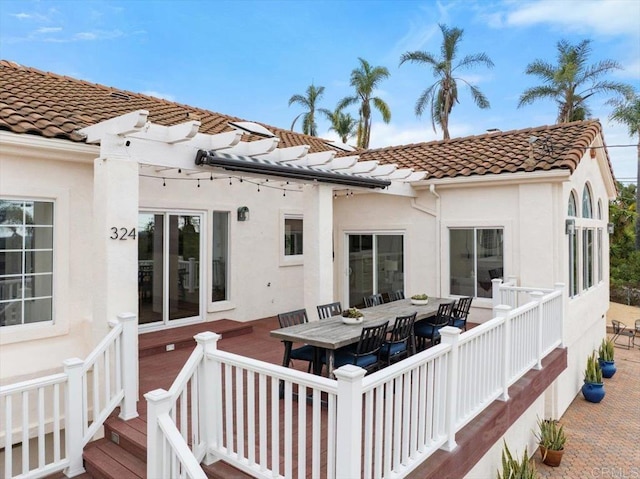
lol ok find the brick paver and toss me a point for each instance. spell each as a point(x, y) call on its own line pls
point(603, 440)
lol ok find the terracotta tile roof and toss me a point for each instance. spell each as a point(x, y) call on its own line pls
point(55, 106)
point(556, 147)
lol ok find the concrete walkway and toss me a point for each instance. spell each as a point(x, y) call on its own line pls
point(603, 440)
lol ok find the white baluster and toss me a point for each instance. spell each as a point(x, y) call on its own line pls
point(210, 397)
point(537, 297)
point(129, 365)
point(451, 336)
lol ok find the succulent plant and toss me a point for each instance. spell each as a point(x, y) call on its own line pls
point(512, 468)
point(550, 434)
point(593, 373)
point(420, 297)
point(605, 352)
point(352, 313)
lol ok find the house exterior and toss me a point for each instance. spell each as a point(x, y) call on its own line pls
point(103, 209)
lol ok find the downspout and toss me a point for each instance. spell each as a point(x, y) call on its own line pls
point(436, 215)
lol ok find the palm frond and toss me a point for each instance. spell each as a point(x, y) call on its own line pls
point(383, 108)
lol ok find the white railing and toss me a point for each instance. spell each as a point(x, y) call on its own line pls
point(190, 271)
point(77, 401)
point(379, 426)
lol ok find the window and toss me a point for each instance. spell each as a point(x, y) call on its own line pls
point(599, 255)
point(587, 257)
point(26, 262)
point(219, 290)
point(573, 248)
point(587, 207)
point(292, 235)
point(476, 256)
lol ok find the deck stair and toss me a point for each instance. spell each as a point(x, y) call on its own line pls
point(122, 452)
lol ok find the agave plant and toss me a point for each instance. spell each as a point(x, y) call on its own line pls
point(593, 373)
point(605, 352)
point(550, 434)
point(512, 468)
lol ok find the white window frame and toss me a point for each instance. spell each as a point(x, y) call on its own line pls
point(59, 325)
point(289, 260)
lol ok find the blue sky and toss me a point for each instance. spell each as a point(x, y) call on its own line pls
point(247, 58)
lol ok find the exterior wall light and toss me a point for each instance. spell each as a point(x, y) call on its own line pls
point(243, 213)
point(570, 226)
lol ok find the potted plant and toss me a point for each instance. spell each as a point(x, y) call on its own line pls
point(352, 316)
point(551, 439)
point(605, 358)
point(514, 469)
point(593, 387)
point(419, 299)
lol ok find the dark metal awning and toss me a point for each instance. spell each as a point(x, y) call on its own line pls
point(257, 166)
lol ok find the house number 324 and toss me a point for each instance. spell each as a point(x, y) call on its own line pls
point(122, 234)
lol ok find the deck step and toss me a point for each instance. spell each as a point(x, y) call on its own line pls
point(103, 459)
point(222, 470)
point(130, 435)
point(158, 342)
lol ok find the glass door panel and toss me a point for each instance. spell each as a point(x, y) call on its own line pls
point(150, 267)
point(184, 265)
point(360, 269)
point(168, 267)
point(390, 266)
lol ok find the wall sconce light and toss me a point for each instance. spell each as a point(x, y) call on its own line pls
point(570, 226)
point(610, 228)
point(243, 213)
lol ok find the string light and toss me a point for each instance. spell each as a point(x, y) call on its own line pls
point(198, 182)
point(259, 184)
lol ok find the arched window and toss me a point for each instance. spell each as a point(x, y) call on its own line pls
point(571, 211)
point(599, 209)
point(587, 205)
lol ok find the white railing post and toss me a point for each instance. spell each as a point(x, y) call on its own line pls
point(74, 416)
point(502, 311)
point(537, 297)
point(451, 336)
point(129, 364)
point(349, 418)
point(209, 394)
point(158, 403)
point(563, 310)
point(495, 291)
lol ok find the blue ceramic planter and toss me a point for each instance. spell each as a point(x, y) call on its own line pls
point(593, 392)
point(608, 368)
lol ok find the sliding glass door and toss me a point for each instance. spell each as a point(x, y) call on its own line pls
point(169, 247)
point(376, 265)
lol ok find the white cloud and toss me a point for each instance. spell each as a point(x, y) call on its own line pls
point(157, 94)
point(21, 16)
point(45, 30)
point(611, 17)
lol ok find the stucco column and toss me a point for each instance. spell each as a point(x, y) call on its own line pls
point(317, 247)
point(115, 233)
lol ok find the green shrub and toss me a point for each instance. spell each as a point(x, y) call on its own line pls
point(514, 469)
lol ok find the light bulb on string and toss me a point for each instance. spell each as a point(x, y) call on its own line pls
point(211, 177)
point(179, 170)
point(163, 182)
point(230, 181)
point(198, 182)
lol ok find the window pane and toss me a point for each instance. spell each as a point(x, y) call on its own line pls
point(39, 261)
point(220, 255)
point(11, 212)
point(389, 260)
point(39, 238)
point(10, 262)
point(572, 205)
point(42, 213)
point(10, 288)
point(461, 262)
point(587, 254)
point(150, 267)
point(587, 207)
point(37, 310)
point(11, 237)
point(360, 268)
point(573, 264)
point(36, 286)
point(11, 313)
point(490, 263)
point(292, 236)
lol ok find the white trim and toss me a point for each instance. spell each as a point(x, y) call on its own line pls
point(502, 178)
point(289, 260)
point(50, 149)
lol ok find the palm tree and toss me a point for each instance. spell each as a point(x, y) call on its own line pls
point(571, 82)
point(309, 102)
point(441, 96)
point(628, 113)
point(343, 124)
point(365, 79)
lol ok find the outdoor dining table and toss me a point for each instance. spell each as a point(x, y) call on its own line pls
point(331, 333)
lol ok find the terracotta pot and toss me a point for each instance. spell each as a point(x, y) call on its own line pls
point(551, 458)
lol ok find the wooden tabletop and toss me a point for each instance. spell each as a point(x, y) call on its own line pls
point(332, 333)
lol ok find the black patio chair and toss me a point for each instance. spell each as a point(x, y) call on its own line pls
point(330, 309)
point(620, 330)
point(302, 353)
point(396, 295)
point(366, 353)
point(397, 345)
point(373, 300)
point(427, 331)
point(460, 313)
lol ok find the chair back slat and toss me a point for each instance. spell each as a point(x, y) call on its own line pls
point(330, 309)
point(373, 300)
point(371, 339)
point(291, 318)
point(402, 328)
point(463, 307)
point(442, 318)
point(396, 295)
